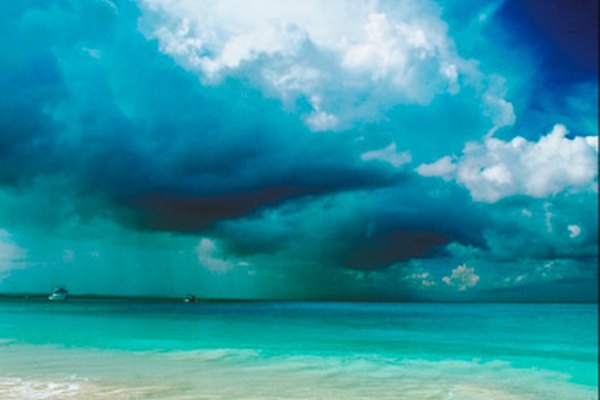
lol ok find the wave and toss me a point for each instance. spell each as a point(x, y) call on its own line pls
point(214, 354)
point(7, 341)
point(70, 388)
point(241, 373)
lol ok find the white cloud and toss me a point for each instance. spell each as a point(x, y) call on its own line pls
point(319, 120)
point(444, 167)
point(462, 278)
point(496, 169)
point(516, 280)
point(388, 154)
point(574, 231)
point(499, 110)
point(420, 279)
point(357, 56)
point(11, 255)
point(546, 272)
point(212, 258)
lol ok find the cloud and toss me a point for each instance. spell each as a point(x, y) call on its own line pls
point(462, 278)
point(499, 110)
point(361, 230)
point(497, 169)
point(165, 134)
point(388, 154)
point(321, 121)
point(161, 151)
point(542, 232)
point(445, 168)
point(212, 258)
point(238, 140)
point(574, 231)
point(545, 272)
point(348, 59)
point(420, 279)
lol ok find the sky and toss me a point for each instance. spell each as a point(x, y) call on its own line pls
point(358, 149)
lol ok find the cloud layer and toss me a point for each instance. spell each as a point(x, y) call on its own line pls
point(286, 150)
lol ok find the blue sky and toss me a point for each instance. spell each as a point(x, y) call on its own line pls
point(381, 150)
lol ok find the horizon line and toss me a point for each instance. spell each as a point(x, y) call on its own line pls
point(174, 299)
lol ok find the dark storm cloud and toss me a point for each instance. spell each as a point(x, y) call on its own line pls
point(364, 229)
point(90, 98)
point(416, 222)
point(189, 212)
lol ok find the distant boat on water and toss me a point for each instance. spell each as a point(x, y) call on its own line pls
point(191, 299)
point(59, 294)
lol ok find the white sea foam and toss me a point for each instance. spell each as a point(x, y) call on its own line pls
point(69, 388)
point(273, 383)
point(214, 355)
point(46, 373)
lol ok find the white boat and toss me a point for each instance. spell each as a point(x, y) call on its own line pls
point(191, 299)
point(58, 295)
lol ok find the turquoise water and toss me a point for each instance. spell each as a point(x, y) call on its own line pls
point(119, 349)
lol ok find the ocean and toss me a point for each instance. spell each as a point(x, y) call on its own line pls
point(134, 349)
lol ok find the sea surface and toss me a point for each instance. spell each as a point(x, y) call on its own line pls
point(126, 349)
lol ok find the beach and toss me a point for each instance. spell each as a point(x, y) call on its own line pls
point(132, 349)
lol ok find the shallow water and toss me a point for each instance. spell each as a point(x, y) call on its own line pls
point(121, 349)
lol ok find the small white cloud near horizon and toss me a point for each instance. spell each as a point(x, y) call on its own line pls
point(420, 279)
point(574, 231)
point(496, 169)
point(462, 278)
point(547, 272)
point(213, 259)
